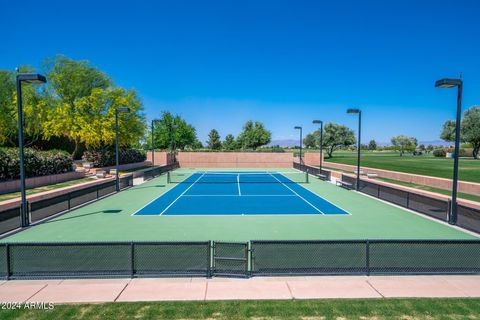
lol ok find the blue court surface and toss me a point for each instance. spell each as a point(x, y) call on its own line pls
point(239, 193)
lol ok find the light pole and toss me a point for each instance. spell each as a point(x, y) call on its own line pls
point(321, 141)
point(359, 112)
point(300, 128)
point(452, 83)
point(117, 182)
point(172, 130)
point(153, 142)
point(28, 78)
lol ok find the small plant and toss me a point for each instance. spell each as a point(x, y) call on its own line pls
point(439, 153)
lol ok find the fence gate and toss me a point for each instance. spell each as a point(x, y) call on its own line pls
point(230, 259)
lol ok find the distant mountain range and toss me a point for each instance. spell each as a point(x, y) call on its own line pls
point(292, 143)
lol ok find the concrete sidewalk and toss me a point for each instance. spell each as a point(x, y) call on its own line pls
point(201, 289)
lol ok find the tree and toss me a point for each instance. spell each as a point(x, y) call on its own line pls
point(337, 136)
point(254, 135)
point(310, 141)
point(372, 145)
point(469, 130)
point(214, 142)
point(70, 82)
point(430, 148)
point(34, 109)
point(229, 143)
point(183, 136)
point(404, 142)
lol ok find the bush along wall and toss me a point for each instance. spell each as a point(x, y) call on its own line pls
point(37, 163)
point(106, 158)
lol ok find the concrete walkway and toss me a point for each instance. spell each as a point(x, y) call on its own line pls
point(200, 289)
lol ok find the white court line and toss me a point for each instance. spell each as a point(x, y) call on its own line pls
point(297, 194)
point(333, 204)
point(238, 184)
point(181, 195)
point(235, 195)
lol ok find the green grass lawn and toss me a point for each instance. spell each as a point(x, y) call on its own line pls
point(423, 165)
point(13, 195)
point(431, 189)
point(335, 309)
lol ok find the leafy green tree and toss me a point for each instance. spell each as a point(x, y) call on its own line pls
point(310, 141)
point(404, 143)
point(34, 109)
point(469, 132)
point(337, 136)
point(229, 143)
point(430, 148)
point(254, 135)
point(372, 145)
point(196, 145)
point(71, 83)
point(214, 142)
point(183, 136)
point(471, 129)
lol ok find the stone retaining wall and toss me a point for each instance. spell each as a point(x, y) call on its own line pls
point(235, 159)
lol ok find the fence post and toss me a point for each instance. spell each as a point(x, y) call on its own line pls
point(132, 259)
point(69, 197)
point(449, 209)
point(210, 259)
point(97, 187)
point(378, 191)
point(7, 251)
point(408, 199)
point(367, 257)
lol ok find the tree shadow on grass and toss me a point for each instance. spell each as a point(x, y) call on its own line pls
point(85, 214)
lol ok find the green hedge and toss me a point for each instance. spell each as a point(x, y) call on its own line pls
point(106, 158)
point(37, 163)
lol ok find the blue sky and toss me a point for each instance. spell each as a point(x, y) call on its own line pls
point(220, 63)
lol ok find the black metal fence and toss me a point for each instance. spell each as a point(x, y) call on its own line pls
point(435, 208)
point(154, 172)
point(312, 170)
point(255, 258)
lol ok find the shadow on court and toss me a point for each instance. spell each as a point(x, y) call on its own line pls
point(85, 214)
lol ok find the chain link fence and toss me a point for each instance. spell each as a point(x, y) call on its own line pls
point(325, 174)
point(255, 258)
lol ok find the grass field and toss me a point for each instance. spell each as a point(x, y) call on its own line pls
point(13, 195)
point(346, 309)
point(469, 169)
point(111, 219)
point(431, 189)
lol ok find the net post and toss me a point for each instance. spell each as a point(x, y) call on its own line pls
point(168, 177)
point(306, 176)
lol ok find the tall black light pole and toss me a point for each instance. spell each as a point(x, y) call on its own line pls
point(300, 128)
point(117, 182)
point(172, 131)
point(153, 142)
point(28, 78)
point(321, 141)
point(452, 83)
point(359, 112)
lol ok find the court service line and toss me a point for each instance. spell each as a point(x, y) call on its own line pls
point(181, 195)
point(296, 194)
point(238, 184)
point(243, 195)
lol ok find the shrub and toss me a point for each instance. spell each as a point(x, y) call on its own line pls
point(106, 157)
point(439, 153)
point(37, 163)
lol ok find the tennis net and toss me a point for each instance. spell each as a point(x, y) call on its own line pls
point(237, 177)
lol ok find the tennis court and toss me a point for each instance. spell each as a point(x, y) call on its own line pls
point(239, 193)
point(124, 216)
